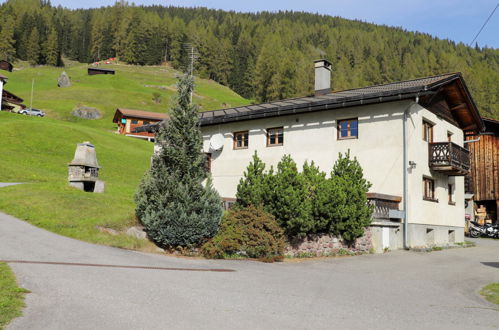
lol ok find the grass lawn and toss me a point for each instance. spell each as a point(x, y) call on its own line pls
point(132, 87)
point(37, 151)
point(11, 296)
point(491, 293)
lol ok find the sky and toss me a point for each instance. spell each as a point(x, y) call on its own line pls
point(457, 20)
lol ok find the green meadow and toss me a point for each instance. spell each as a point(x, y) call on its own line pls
point(36, 151)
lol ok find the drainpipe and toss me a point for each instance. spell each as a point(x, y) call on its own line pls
point(405, 167)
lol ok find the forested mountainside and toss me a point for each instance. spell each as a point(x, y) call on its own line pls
point(263, 56)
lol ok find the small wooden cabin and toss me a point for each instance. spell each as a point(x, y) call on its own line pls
point(483, 181)
point(11, 102)
point(94, 71)
point(7, 66)
point(129, 119)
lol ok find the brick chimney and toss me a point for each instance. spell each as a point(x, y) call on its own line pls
point(322, 77)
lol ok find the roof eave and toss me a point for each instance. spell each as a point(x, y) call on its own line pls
point(318, 106)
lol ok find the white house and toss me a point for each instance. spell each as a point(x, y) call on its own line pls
point(408, 137)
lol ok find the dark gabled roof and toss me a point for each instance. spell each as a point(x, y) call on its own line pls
point(139, 114)
point(101, 69)
point(359, 96)
point(11, 97)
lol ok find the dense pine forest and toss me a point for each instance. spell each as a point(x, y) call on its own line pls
point(263, 56)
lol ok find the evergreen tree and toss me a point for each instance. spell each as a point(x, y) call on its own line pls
point(7, 50)
point(175, 200)
point(288, 199)
point(251, 189)
point(33, 47)
point(348, 207)
point(52, 55)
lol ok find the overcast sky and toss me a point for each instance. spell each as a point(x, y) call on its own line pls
point(457, 20)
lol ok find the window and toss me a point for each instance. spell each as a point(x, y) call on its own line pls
point(348, 129)
point(450, 188)
point(241, 140)
point(427, 131)
point(429, 190)
point(145, 122)
point(275, 136)
point(135, 121)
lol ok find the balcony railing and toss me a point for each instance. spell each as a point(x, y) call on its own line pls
point(449, 158)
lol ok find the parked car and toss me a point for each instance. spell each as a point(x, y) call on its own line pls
point(32, 112)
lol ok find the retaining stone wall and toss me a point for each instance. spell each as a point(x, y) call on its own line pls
point(323, 245)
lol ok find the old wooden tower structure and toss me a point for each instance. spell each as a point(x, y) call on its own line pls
point(483, 180)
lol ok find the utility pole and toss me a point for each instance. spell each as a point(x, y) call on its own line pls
point(32, 88)
point(192, 56)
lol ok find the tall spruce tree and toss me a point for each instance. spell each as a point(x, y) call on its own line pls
point(52, 55)
point(33, 48)
point(7, 50)
point(176, 202)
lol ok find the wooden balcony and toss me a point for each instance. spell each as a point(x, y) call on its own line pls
point(449, 158)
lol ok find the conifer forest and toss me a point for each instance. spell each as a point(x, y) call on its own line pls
point(262, 56)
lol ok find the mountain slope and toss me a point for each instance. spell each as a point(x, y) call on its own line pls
point(131, 87)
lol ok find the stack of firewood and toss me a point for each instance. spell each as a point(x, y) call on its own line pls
point(481, 215)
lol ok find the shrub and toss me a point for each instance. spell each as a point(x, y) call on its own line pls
point(174, 202)
point(288, 199)
point(251, 188)
point(351, 212)
point(308, 202)
point(250, 232)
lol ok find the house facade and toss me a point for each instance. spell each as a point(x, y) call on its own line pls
point(408, 136)
point(128, 120)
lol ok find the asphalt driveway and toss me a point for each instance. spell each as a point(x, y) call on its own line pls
point(396, 290)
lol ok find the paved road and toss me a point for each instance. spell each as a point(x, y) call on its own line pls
point(397, 290)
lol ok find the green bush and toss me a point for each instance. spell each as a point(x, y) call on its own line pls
point(248, 232)
point(308, 202)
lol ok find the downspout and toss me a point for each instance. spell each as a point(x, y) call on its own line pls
point(406, 179)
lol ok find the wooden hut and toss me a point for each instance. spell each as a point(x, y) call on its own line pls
point(7, 66)
point(128, 120)
point(483, 180)
point(94, 71)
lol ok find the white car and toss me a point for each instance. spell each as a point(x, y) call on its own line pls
point(32, 112)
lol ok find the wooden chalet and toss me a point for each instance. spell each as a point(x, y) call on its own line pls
point(94, 71)
point(7, 66)
point(128, 120)
point(11, 102)
point(483, 180)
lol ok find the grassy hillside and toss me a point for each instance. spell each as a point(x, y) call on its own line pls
point(132, 87)
point(37, 151)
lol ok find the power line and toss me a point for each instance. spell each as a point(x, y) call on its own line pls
point(492, 13)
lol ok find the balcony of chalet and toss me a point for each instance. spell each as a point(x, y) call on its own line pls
point(449, 158)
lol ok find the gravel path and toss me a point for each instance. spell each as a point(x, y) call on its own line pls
point(397, 290)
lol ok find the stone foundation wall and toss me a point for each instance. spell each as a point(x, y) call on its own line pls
point(323, 245)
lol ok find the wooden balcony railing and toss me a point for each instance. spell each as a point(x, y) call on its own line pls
point(449, 158)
